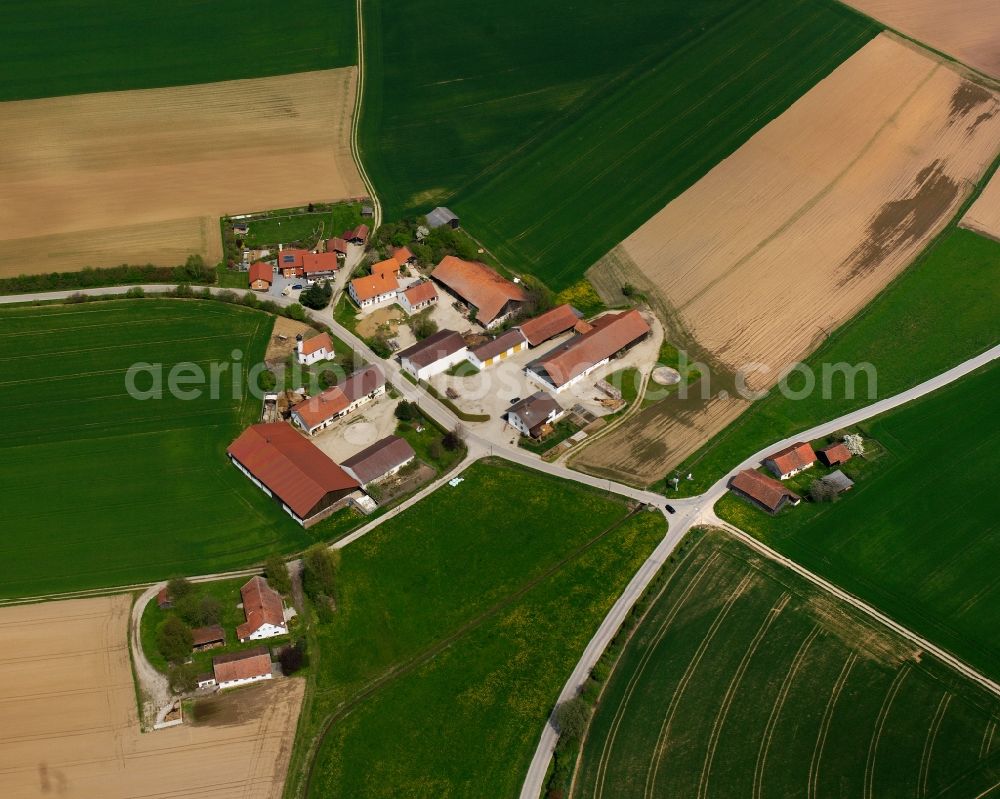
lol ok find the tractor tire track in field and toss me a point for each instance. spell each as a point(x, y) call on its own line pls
point(604, 760)
point(883, 713)
point(408, 666)
point(772, 721)
point(928, 753)
point(661, 741)
point(824, 727)
point(734, 684)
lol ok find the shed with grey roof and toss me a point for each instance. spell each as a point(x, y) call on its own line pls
point(382, 459)
point(442, 216)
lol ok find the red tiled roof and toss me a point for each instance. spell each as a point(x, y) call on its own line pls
point(402, 255)
point(379, 459)
point(261, 605)
point(492, 349)
point(326, 404)
point(765, 490)
point(387, 267)
point(420, 292)
point(322, 341)
point(207, 635)
point(433, 348)
point(371, 286)
point(549, 324)
point(835, 453)
point(291, 258)
point(336, 245)
point(609, 334)
point(261, 271)
point(361, 231)
point(478, 285)
point(795, 456)
point(320, 262)
point(254, 662)
point(289, 465)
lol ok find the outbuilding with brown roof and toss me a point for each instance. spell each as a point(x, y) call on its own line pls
point(434, 354)
point(494, 297)
point(242, 668)
point(319, 412)
point(765, 491)
point(550, 324)
point(417, 297)
point(834, 455)
point(207, 637)
point(381, 460)
point(292, 470)
point(501, 348)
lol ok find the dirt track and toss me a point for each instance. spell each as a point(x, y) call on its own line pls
point(793, 234)
point(68, 724)
point(142, 176)
point(984, 215)
point(968, 30)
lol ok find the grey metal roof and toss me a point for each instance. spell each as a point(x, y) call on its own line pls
point(433, 348)
point(379, 459)
point(534, 409)
point(440, 216)
point(838, 480)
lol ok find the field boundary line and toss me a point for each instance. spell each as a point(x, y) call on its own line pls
point(883, 714)
point(779, 703)
point(824, 727)
point(604, 760)
point(692, 667)
point(932, 731)
point(734, 684)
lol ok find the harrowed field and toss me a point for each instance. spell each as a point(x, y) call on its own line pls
point(101, 489)
point(918, 536)
point(566, 132)
point(457, 624)
point(744, 680)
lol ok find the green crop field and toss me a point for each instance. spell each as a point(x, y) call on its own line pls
point(552, 135)
point(101, 489)
point(938, 313)
point(458, 622)
point(918, 536)
point(61, 47)
point(744, 681)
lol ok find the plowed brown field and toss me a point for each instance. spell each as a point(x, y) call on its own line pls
point(968, 30)
point(142, 176)
point(797, 231)
point(69, 727)
point(984, 215)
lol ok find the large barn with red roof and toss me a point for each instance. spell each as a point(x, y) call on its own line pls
point(291, 469)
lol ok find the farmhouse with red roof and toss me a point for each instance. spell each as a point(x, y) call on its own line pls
point(319, 412)
point(373, 289)
point(791, 460)
point(264, 611)
point(494, 297)
point(311, 350)
point(261, 276)
point(417, 297)
point(762, 490)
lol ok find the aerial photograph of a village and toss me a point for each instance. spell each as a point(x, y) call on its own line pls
point(411, 399)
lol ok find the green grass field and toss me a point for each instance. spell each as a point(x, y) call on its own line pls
point(279, 227)
point(744, 681)
point(72, 47)
point(938, 313)
point(457, 623)
point(102, 489)
point(918, 537)
point(564, 133)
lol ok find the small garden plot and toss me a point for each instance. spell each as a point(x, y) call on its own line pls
point(302, 227)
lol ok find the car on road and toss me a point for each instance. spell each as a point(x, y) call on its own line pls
point(670, 509)
point(297, 286)
point(514, 399)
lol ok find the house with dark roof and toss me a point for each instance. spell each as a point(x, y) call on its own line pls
point(416, 297)
point(319, 412)
point(264, 611)
point(311, 350)
point(762, 490)
point(381, 460)
point(434, 354)
point(440, 217)
point(240, 668)
point(834, 455)
point(261, 276)
point(500, 349)
point(791, 460)
point(571, 362)
point(292, 470)
point(550, 324)
point(494, 297)
point(533, 415)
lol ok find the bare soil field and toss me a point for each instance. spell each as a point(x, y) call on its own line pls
point(984, 215)
point(68, 723)
point(788, 238)
point(968, 30)
point(277, 349)
point(143, 176)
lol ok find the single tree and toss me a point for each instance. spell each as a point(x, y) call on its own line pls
point(178, 588)
point(423, 327)
point(452, 440)
point(318, 572)
point(173, 639)
point(406, 411)
point(823, 491)
point(855, 444)
point(183, 678)
point(292, 657)
point(277, 574)
point(572, 717)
